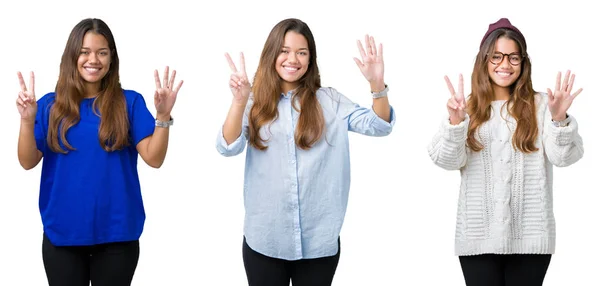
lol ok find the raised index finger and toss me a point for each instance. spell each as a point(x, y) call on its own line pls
point(231, 64)
point(461, 87)
point(242, 63)
point(361, 50)
point(21, 82)
point(156, 79)
point(450, 87)
point(32, 82)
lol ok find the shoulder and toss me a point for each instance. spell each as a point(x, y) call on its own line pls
point(46, 101)
point(541, 98)
point(47, 98)
point(132, 95)
point(134, 99)
point(541, 103)
point(329, 93)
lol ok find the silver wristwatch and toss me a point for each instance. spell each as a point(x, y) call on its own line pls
point(163, 124)
point(562, 123)
point(380, 93)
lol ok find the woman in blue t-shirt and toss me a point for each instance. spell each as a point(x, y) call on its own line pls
point(89, 132)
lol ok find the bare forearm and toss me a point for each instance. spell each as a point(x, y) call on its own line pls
point(381, 105)
point(232, 128)
point(29, 155)
point(158, 145)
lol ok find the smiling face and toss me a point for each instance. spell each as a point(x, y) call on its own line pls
point(93, 62)
point(292, 62)
point(503, 74)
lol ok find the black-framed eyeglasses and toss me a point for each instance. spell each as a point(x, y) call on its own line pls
point(514, 59)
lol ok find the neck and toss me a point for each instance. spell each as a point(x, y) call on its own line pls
point(91, 90)
point(501, 93)
point(286, 87)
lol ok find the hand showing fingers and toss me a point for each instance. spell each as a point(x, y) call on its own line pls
point(166, 93)
point(371, 65)
point(456, 104)
point(561, 99)
point(26, 101)
point(238, 81)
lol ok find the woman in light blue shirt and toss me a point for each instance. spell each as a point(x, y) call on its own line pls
point(297, 174)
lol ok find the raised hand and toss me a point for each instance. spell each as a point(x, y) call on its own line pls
point(560, 100)
point(165, 94)
point(26, 102)
point(238, 82)
point(371, 65)
point(456, 104)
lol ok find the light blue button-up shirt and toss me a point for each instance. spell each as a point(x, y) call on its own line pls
point(295, 200)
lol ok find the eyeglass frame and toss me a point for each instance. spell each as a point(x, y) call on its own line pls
point(523, 56)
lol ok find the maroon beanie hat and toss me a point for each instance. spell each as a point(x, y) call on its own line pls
point(503, 23)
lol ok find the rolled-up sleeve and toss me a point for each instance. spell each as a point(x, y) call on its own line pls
point(236, 147)
point(361, 119)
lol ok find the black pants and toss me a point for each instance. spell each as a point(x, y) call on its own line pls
point(505, 270)
point(110, 264)
point(262, 270)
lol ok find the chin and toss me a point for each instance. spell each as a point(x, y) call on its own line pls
point(504, 83)
point(92, 80)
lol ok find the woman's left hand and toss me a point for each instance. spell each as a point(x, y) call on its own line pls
point(165, 94)
point(371, 65)
point(560, 100)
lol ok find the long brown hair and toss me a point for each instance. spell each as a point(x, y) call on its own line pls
point(109, 104)
point(521, 102)
point(266, 89)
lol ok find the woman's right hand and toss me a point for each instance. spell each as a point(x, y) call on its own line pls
point(239, 84)
point(456, 104)
point(26, 102)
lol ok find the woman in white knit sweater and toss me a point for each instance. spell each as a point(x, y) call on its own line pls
point(505, 138)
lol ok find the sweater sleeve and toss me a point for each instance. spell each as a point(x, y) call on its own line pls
point(448, 147)
point(563, 145)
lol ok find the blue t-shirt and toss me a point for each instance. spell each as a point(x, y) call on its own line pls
point(90, 196)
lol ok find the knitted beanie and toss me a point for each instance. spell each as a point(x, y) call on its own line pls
point(503, 23)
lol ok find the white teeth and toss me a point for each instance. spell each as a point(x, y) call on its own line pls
point(503, 73)
point(92, 69)
point(291, 68)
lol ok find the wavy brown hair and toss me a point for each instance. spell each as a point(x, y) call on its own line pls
point(266, 89)
point(521, 102)
point(109, 104)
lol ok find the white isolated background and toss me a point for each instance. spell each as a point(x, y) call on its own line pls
point(399, 227)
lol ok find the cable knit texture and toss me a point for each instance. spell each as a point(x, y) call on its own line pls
point(505, 201)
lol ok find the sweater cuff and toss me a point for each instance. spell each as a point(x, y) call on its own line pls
point(563, 136)
point(455, 133)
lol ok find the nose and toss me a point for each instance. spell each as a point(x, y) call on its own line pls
point(292, 57)
point(505, 63)
point(93, 58)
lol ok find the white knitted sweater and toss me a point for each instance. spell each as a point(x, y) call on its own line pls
point(505, 201)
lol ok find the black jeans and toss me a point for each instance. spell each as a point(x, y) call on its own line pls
point(262, 270)
point(505, 270)
point(110, 264)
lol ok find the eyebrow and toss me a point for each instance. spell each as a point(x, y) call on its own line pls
point(517, 52)
point(300, 49)
point(86, 48)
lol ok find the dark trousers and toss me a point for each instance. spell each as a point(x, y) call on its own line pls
point(505, 270)
point(262, 270)
point(110, 264)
